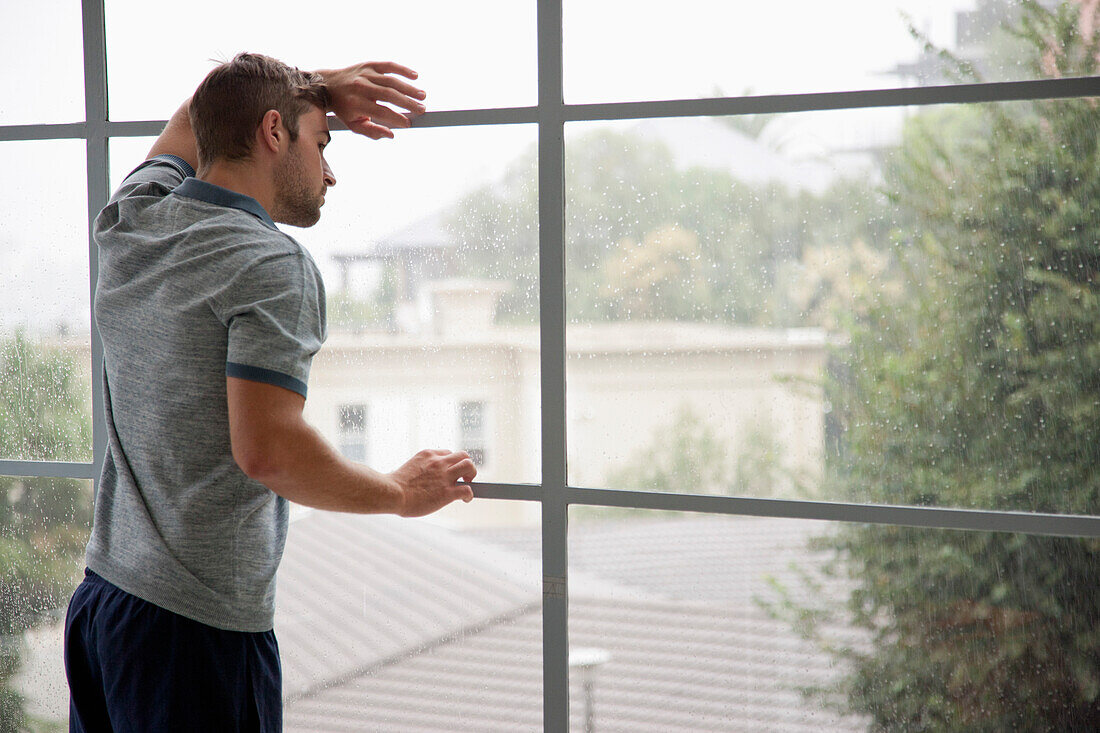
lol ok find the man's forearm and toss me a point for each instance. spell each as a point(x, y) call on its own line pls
point(178, 138)
point(304, 468)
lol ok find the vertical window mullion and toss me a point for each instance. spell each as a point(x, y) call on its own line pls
point(551, 171)
point(95, 116)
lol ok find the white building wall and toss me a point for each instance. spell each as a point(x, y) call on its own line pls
point(624, 393)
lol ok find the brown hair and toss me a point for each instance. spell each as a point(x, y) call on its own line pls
point(232, 100)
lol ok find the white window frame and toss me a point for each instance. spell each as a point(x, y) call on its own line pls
point(554, 494)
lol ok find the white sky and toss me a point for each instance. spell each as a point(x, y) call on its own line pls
point(470, 54)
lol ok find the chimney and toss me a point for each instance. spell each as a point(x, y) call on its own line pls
point(459, 307)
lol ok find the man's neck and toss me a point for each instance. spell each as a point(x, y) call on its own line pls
point(244, 178)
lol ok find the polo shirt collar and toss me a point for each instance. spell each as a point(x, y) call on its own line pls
point(195, 188)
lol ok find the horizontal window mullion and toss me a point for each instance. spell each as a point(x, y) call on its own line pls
point(137, 128)
point(910, 516)
point(822, 101)
point(502, 116)
point(454, 118)
point(984, 520)
point(67, 131)
point(47, 469)
point(1064, 525)
point(516, 492)
point(721, 106)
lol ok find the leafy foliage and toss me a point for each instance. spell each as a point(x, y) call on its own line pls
point(689, 456)
point(647, 240)
point(979, 386)
point(43, 522)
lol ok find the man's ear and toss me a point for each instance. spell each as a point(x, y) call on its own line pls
point(271, 134)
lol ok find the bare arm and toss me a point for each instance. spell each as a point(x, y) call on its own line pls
point(177, 138)
point(273, 444)
point(356, 92)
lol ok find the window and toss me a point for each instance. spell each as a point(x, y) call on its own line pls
point(353, 432)
point(812, 284)
point(471, 425)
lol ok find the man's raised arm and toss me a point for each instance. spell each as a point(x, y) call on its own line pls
point(357, 94)
point(177, 138)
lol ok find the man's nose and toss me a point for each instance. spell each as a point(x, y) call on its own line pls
point(330, 177)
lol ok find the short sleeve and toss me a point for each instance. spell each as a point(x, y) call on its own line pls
point(157, 176)
point(147, 184)
point(275, 315)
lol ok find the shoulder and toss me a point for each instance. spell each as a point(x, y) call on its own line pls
point(259, 262)
point(157, 176)
point(145, 186)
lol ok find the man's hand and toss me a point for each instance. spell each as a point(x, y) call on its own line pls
point(430, 481)
point(358, 90)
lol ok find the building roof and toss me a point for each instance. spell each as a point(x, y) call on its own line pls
point(358, 592)
point(427, 233)
point(428, 629)
point(706, 142)
point(612, 337)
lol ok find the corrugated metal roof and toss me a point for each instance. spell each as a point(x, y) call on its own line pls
point(425, 629)
point(354, 591)
point(713, 559)
point(670, 670)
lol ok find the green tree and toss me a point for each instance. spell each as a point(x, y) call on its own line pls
point(662, 276)
point(43, 522)
point(689, 456)
point(737, 242)
point(979, 387)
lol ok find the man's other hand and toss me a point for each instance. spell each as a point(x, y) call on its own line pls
point(358, 90)
point(430, 481)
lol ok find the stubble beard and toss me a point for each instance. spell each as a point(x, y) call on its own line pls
point(297, 202)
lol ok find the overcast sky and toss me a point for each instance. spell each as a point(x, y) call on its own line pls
point(470, 54)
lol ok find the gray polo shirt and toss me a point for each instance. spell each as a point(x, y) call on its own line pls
point(195, 283)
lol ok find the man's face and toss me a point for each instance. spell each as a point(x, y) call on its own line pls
point(303, 174)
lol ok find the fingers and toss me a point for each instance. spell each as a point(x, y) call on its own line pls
point(364, 126)
point(378, 123)
point(403, 87)
point(393, 90)
point(389, 67)
point(464, 470)
point(388, 117)
point(434, 478)
point(361, 93)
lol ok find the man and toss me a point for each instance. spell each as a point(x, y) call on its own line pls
point(210, 316)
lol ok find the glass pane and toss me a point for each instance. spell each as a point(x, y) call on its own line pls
point(683, 622)
point(432, 294)
point(45, 321)
point(389, 624)
point(433, 297)
point(700, 48)
point(125, 154)
point(41, 52)
point(43, 528)
point(908, 324)
point(468, 55)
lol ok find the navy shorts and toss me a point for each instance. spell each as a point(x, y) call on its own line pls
point(133, 666)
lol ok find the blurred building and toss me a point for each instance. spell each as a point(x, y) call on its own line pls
point(460, 381)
